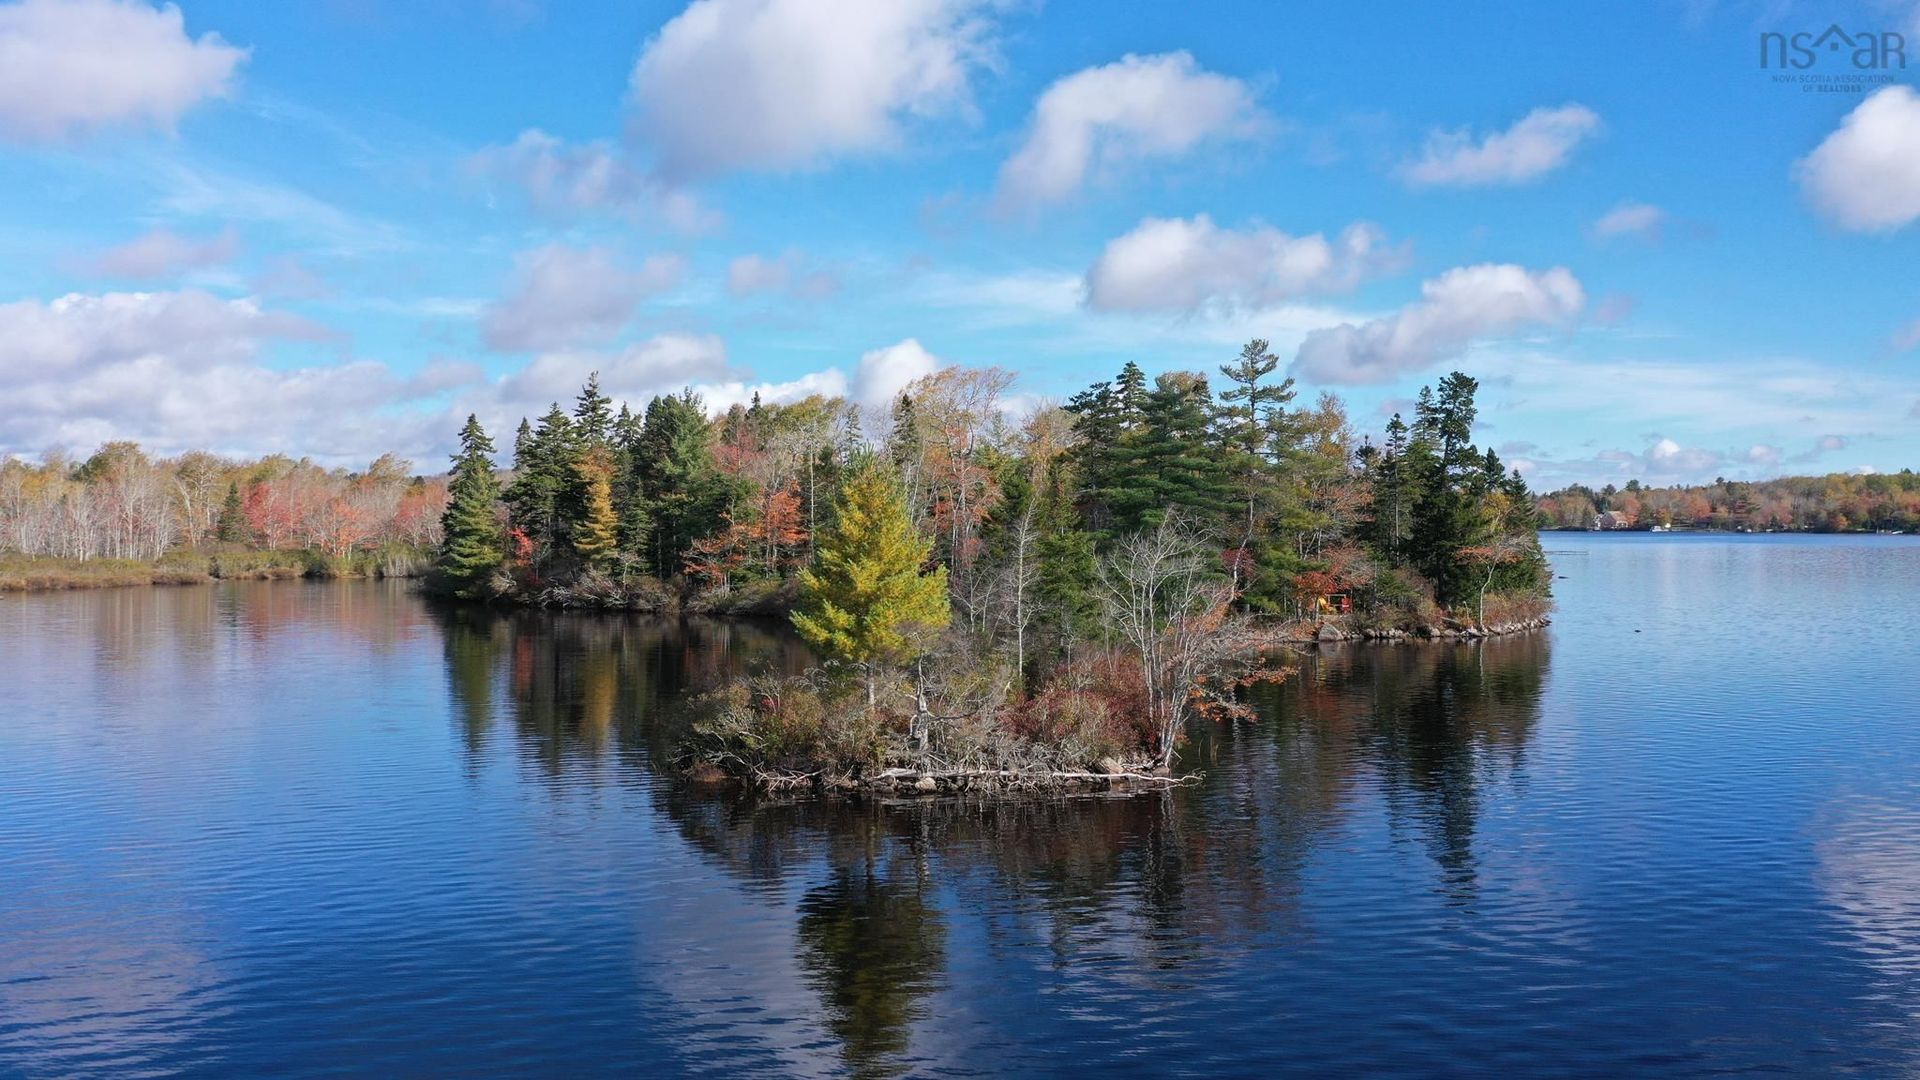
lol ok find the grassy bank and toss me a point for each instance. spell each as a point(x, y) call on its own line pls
point(22, 573)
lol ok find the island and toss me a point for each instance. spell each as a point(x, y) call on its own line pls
point(1003, 598)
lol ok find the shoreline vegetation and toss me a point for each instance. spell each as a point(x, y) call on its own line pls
point(1002, 601)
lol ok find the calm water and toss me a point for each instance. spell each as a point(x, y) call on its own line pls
point(307, 829)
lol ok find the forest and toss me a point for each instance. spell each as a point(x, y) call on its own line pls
point(998, 596)
point(1834, 503)
point(122, 517)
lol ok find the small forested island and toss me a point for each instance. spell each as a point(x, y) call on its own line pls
point(1003, 602)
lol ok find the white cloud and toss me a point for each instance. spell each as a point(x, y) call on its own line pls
point(176, 370)
point(883, 373)
point(1668, 459)
point(1175, 264)
point(1539, 143)
point(576, 178)
point(661, 364)
point(789, 274)
point(1137, 108)
point(1455, 308)
point(718, 396)
point(71, 66)
point(79, 331)
point(564, 297)
point(785, 84)
point(1866, 175)
point(1765, 454)
point(162, 253)
point(184, 370)
point(1631, 219)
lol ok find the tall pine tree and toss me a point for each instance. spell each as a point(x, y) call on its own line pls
point(471, 547)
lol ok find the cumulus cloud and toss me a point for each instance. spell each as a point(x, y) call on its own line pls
point(566, 179)
point(1539, 143)
point(790, 274)
point(174, 370)
point(785, 84)
point(1631, 219)
point(1137, 108)
point(883, 373)
point(719, 396)
point(564, 297)
point(185, 370)
point(1866, 175)
point(1455, 308)
point(1666, 458)
point(81, 331)
point(1765, 454)
point(72, 66)
point(660, 364)
point(162, 254)
point(1178, 264)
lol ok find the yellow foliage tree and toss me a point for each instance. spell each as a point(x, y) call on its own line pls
point(597, 535)
point(866, 599)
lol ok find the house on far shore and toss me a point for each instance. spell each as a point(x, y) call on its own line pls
point(1608, 520)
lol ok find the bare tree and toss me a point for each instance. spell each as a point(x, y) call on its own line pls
point(1166, 601)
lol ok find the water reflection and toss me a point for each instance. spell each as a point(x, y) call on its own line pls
point(575, 686)
point(1406, 738)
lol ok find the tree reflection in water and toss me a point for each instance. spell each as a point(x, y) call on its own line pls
point(1412, 735)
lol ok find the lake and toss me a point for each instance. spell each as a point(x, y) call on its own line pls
point(304, 828)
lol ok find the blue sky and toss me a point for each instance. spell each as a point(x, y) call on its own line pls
point(333, 228)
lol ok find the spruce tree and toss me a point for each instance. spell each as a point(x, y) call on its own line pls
point(593, 413)
point(866, 599)
point(543, 474)
point(685, 496)
point(231, 526)
point(471, 546)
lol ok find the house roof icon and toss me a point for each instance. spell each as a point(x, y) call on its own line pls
point(1833, 31)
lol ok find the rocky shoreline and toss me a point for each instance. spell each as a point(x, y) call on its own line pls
point(1328, 632)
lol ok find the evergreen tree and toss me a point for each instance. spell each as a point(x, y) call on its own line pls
point(471, 547)
point(685, 496)
point(865, 599)
point(593, 414)
point(1173, 463)
point(231, 526)
point(543, 475)
point(1245, 414)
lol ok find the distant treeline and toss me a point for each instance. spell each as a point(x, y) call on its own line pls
point(121, 504)
point(1837, 502)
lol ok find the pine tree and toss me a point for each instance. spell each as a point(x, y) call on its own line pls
point(1245, 414)
point(596, 536)
point(1173, 463)
point(472, 546)
point(865, 599)
point(231, 526)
